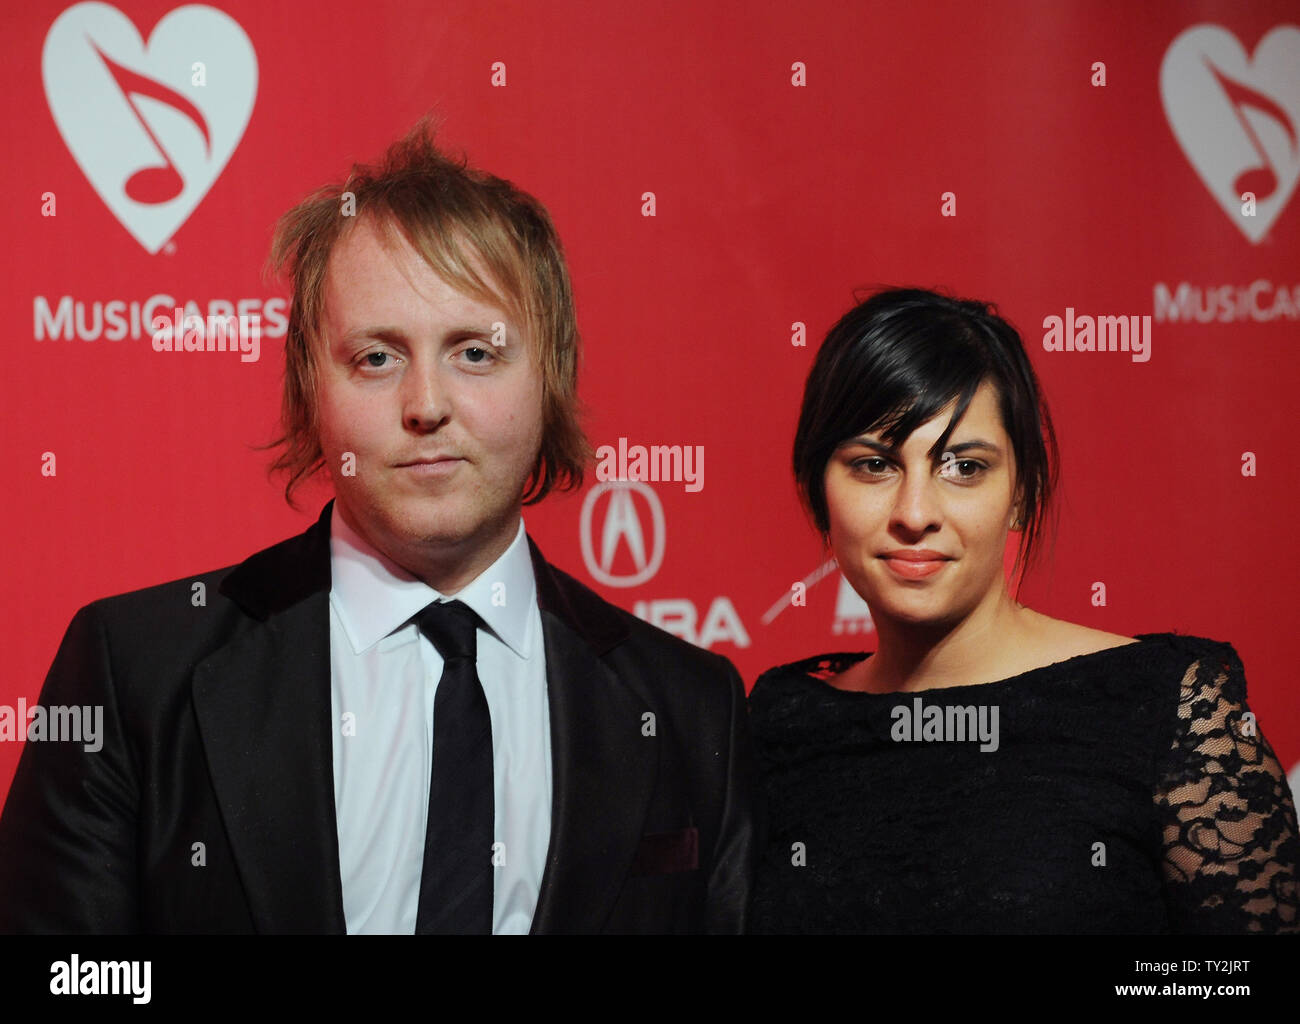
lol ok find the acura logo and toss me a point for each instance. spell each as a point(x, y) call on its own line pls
point(623, 526)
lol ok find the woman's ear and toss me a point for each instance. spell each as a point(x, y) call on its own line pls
point(1017, 523)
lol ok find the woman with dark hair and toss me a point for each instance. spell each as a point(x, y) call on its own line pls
point(989, 768)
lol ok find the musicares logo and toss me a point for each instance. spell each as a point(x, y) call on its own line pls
point(151, 125)
point(1236, 117)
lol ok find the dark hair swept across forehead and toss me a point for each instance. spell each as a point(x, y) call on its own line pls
point(895, 361)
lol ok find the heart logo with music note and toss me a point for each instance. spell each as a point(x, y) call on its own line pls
point(151, 125)
point(1237, 118)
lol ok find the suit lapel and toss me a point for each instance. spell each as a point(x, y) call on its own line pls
point(263, 709)
point(264, 715)
point(603, 768)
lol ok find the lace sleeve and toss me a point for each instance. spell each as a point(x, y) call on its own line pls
point(1228, 820)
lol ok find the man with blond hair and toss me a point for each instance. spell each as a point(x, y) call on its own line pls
point(404, 720)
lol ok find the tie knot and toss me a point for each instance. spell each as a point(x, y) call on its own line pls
point(450, 626)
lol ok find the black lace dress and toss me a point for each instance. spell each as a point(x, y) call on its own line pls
point(1129, 790)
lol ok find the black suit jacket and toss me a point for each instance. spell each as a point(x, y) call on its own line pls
point(217, 730)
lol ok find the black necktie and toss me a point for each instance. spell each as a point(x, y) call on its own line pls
point(456, 883)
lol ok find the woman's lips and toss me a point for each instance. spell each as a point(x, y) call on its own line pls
point(914, 565)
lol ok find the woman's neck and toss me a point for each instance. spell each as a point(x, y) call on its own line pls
point(978, 649)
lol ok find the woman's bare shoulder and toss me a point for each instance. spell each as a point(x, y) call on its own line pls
point(1059, 639)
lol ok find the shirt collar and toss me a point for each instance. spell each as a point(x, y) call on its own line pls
point(374, 596)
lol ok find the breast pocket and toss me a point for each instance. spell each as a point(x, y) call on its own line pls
point(666, 853)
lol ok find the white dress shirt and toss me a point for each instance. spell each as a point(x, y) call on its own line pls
point(384, 673)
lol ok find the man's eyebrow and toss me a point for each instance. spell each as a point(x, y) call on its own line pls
point(382, 333)
point(396, 334)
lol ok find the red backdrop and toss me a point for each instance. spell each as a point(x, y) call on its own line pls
point(1051, 157)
